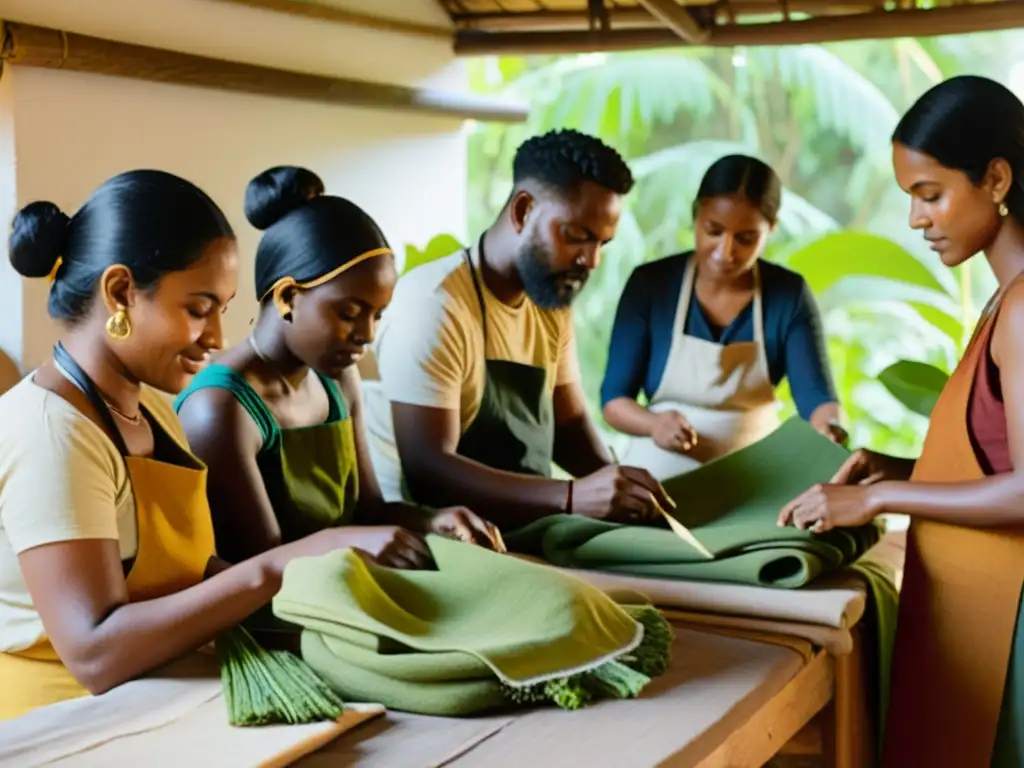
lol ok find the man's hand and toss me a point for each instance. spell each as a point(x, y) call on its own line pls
point(620, 494)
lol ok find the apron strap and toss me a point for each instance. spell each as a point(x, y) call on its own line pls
point(685, 296)
point(77, 376)
point(477, 287)
point(758, 318)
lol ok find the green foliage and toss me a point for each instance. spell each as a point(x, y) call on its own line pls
point(822, 116)
point(439, 247)
point(916, 385)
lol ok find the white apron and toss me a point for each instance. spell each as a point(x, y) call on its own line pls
point(724, 391)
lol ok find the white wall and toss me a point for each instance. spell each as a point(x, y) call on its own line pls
point(72, 131)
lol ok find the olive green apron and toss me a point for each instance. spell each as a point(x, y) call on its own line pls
point(514, 430)
point(310, 473)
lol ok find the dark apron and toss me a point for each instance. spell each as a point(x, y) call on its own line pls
point(514, 430)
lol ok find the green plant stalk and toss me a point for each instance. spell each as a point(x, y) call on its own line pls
point(263, 687)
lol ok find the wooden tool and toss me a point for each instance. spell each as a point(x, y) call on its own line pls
point(678, 528)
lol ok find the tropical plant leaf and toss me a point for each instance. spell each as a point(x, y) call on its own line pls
point(873, 289)
point(681, 168)
point(845, 101)
point(618, 95)
point(439, 247)
point(916, 385)
point(836, 255)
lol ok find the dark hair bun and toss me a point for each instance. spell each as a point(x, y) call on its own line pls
point(38, 237)
point(277, 192)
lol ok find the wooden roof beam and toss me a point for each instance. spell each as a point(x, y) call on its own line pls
point(30, 46)
point(678, 19)
point(348, 18)
point(622, 18)
point(959, 19)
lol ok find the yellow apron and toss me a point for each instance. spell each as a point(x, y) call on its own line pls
point(175, 543)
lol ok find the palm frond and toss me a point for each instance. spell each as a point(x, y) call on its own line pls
point(673, 176)
point(845, 101)
point(605, 95)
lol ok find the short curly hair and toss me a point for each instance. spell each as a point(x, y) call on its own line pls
point(565, 159)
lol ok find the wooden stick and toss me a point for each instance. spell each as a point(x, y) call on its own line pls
point(872, 25)
point(349, 18)
point(678, 19)
point(30, 46)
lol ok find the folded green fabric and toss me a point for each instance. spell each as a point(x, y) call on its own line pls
point(482, 631)
point(880, 621)
point(731, 505)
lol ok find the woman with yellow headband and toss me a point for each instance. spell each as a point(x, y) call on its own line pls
point(278, 419)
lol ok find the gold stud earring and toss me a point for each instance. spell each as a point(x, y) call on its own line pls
point(1003, 210)
point(119, 326)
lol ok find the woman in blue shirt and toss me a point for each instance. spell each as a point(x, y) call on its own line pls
point(707, 335)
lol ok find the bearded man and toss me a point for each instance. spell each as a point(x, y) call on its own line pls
point(479, 393)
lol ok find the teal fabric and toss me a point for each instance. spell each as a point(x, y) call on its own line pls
point(221, 377)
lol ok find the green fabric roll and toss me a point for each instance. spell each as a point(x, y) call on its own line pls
point(731, 505)
point(447, 641)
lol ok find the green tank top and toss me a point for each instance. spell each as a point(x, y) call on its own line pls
point(310, 473)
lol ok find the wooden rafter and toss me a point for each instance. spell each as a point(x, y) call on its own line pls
point(877, 24)
point(30, 46)
point(677, 19)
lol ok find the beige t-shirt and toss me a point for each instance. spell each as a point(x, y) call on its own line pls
point(430, 351)
point(61, 479)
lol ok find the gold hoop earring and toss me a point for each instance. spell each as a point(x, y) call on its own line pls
point(119, 326)
point(1003, 210)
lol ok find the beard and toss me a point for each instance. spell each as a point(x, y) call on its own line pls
point(545, 287)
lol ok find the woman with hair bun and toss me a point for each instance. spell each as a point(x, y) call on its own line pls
point(708, 335)
point(107, 566)
point(958, 664)
point(278, 420)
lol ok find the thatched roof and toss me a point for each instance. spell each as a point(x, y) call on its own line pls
point(559, 26)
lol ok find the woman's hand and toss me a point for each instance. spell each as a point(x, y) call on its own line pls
point(672, 432)
point(826, 421)
point(825, 507)
point(867, 468)
point(834, 432)
point(461, 523)
point(389, 545)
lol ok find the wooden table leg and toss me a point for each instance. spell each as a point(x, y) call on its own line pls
point(849, 723)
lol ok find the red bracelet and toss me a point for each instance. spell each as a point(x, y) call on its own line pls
point(568, 499)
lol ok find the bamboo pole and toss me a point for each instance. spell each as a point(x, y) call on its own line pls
point(349, 18)
point(871, 25)
point(30, 46)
